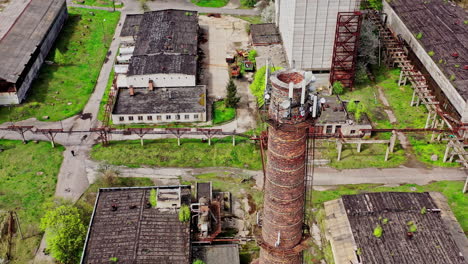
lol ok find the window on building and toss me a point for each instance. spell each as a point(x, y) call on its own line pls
point(352, 131)
point(140, 118)
point(195, 116)
point(121, 118)
point(158, 117)
point(168, 117)
point(329, 129)
point(130, 118)
point(177, 117)
point(187, 117)
point(149, 117)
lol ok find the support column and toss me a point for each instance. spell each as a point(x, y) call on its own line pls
point(428, 119)
point(447, 149)
point(400, 80)
point(359, 147)
point(412, 98)
point(392, 141)
point(339, 146)
point(387, 152)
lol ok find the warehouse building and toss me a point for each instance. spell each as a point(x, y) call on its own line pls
point(436, 35)
point(308, 32)
point(27, 33)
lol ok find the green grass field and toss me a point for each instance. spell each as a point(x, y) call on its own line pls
point(102, 3)
point(192, 153)
point(63, 88)
point(250, 19)
point(210, 3)
point(221, 113)
point(452, 190)
point(28, 175)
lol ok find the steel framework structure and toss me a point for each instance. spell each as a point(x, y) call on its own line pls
point(348, 28)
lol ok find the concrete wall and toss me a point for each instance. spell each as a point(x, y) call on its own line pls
point(398, 27)
point(162, 80)
point(346, 129)
point(308, 30)
point(159, 118)
point(37, 59)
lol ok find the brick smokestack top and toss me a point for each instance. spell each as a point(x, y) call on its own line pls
point(283, 213)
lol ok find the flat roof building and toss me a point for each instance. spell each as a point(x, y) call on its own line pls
point(27, 33)
point(125, 226)
point(437, 35)
point(175, 104)
point(415, 229)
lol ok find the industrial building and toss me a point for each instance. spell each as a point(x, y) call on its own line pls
point(308, 32)
point(163, 105)
point(159, 46)
point(28, 31)
point(416, 228)
point(143, 225)
point(436, 37)
point(156, 70)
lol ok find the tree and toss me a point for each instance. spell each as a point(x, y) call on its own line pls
point(65, 233)
point(360, 110)
point(351, 107)
point(184, 213)
point(231, 99)
point(338, 88)
point(367, 51)
point(269, 13)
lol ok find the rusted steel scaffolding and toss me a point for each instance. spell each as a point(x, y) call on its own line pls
point(348, 28)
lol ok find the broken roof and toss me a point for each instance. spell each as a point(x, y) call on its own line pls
point(25, 35)
point(444, 32)
point(161, 100)
point(131, 25)
point(431, 243)
point(168, 31)
point(265, 34)
point(163, 64)
point(217, 254)
point(134, 233)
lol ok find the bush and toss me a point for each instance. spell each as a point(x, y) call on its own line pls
point(252, 55)
point(153, 199)
point(231, 99)
point(184, 213)
point(248, 3)
point(419, 35)
point(431, 53)
point(338, 88)
point(351, 107)
point(375, 4)
point(360, 110)
point(65, 233)
point(378, 231)
point(258, 85)
point(197, 261)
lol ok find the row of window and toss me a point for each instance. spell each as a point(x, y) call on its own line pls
point(163, 78)
point(158, 117)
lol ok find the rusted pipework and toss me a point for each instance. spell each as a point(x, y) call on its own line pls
point(283, 214)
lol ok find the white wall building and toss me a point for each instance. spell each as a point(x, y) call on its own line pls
point(307, 28)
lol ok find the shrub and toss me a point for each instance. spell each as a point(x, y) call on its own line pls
point(375, 4)
point(252, 55)
point(423, 210)
point(385, 221)
point(378, 231)
point(419, 35)
point(65, 233)
point(184, 213)
point(338, 88)
point(258, 85)
point(153, 198)
point(113, 259)
point(197, 261)
point(248, 3)
point(431, 53)
point(360, 110)
point(351, 107)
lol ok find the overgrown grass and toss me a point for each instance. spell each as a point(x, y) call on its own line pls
point(105, 97)
point(28, 175)
point(102, 3)
point(457, 201)
point(62, 90)
point(250, 19)
point(424, 149)
point(258, 85)
point(210, 3)
point(221, 113)
point(192, 153)
point(371, 156)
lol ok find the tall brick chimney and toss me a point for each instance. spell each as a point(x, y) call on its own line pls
point(283, 213)
point(150, 85)
point(131, 90)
